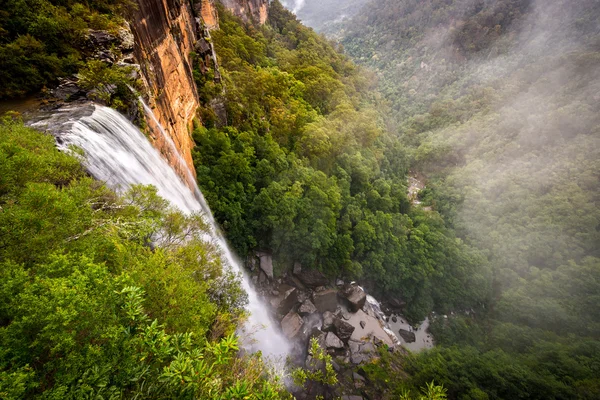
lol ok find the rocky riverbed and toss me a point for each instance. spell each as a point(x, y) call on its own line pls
point(345, 320)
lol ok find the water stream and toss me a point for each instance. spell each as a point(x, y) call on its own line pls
point(117, 153)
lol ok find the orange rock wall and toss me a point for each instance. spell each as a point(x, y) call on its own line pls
point(165, 33)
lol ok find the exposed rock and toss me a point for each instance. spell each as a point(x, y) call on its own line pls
point(326, 300)
point(352, 397)
point(368, 348)
point(394, 319)
point(68, 90)
point(307, 307)
point(297, 268)
point(328, 319)
point(312, 278)
point(359, 380)
point(266, 263)
point(409, 337)
point(292, 325)
point(126, 38)
point(100, 39)
point(343, 329)
point(333, 342)
point(363, 324)
point(339, 282)
point(355, 296)
point(288, 300)
point(165, 33)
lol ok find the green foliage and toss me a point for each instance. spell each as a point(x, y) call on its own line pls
point(504, 125)
point(89, 309)
point(113, 85)
point(43, 40)
point(305, 167)
point(319, 371)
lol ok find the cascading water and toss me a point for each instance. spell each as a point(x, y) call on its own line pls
point(117, 153)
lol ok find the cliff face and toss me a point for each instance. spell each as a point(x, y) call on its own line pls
point(166, 32)
point(245, 9)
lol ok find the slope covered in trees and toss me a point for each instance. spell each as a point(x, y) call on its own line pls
point(88, 309)
point(297, 161)
point(496, 103)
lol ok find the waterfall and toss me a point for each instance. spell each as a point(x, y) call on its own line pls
point(117, 153)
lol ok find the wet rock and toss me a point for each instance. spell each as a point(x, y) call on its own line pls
point(262, 278)
point(326, 300)
point(266, 263)
point(355, 296)
point(333, 342)
point(306, 308)
point(363, 324)
point(312, 278)
point(409, 337)
point(291, 325)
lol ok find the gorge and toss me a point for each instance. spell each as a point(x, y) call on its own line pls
point(209, 199)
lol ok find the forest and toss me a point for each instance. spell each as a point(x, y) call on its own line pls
point(495, 103)
point(301, 164)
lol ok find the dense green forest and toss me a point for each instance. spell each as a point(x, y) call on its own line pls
point(496, 103)
point(301, 164)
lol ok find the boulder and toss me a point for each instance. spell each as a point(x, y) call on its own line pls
point(363, 324)
point(343, 329)
point(328, 319)
point(68, 90)
point(306, 308)
point(292, 325)
point(339, 282)
point(326, 300)
point(297, 268)
point(311, 278)
point(409, 337)
point(266, 263)
point(287, 300)
point(359, 380)
point(333, 342)
point(355, 296)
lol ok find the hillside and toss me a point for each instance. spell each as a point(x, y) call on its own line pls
point(497, 102)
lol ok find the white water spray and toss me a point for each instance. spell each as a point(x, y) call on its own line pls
point(117, 153)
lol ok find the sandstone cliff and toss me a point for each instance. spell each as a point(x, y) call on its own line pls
point(166, 32)
point(245, 9)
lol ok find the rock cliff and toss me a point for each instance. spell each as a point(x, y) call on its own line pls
point(166, 33)
point(245, 9)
